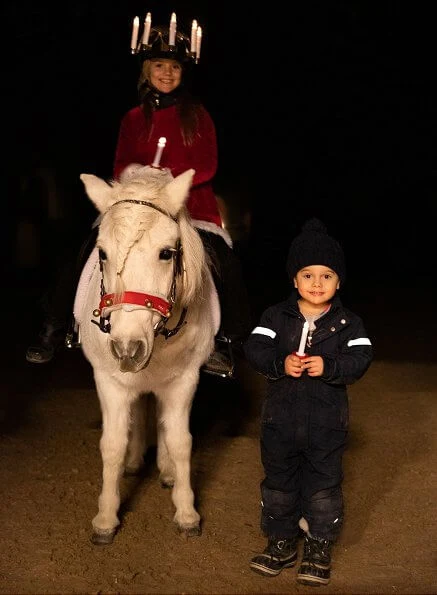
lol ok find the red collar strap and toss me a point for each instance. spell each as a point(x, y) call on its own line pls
point(136, 298)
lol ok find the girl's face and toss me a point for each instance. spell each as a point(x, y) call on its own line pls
point(317, 284)
point(165, 74)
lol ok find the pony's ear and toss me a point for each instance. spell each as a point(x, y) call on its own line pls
point(177, 190)
point(99, 191)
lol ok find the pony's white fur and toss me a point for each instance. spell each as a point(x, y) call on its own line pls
point(131, 361)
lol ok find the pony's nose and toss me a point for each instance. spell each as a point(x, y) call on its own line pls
point(134, 350)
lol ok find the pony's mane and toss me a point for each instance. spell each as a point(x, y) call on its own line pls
point(195, 260)
point(127, 223)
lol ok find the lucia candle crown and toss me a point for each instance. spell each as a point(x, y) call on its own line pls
point(165, 42)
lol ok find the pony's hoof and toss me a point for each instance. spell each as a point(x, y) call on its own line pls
point(103, 538)
point(186, 532)
point(166, 482)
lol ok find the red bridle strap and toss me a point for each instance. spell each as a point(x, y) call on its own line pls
point(136, 298)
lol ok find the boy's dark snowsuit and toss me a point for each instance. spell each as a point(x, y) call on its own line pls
point(305, 420)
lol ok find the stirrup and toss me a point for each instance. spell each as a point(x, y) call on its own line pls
point(218, 366)
point(72, 338)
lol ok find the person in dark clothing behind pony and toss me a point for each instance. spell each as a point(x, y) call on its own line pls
point(309, 347)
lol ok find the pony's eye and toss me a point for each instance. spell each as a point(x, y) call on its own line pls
point(102, 254)
point(166, 254)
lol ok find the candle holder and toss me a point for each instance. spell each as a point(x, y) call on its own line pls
point(300, 356)
point(158, 45)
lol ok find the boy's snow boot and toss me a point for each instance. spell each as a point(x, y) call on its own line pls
point(279, 554)
point(315, 568)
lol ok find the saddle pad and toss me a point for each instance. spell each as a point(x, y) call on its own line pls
point(82, 287)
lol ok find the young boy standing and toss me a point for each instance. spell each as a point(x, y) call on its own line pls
point(310, 348)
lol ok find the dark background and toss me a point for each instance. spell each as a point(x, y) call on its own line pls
point(324, 109)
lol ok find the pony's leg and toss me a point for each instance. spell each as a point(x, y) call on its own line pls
point(175, 408)
point(164, 463)
point(113, 445)
point(137, 437)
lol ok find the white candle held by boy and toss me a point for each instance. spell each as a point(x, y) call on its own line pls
point(303, 339)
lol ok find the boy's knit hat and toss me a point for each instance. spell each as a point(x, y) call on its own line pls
point(314, 246)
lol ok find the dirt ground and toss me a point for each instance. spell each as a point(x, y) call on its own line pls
point(50, 480)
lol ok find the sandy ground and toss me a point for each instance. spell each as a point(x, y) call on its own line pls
point(50, 472)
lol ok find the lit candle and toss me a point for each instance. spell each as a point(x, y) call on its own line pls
point(147, 25)
point(134, 38)
point(159, 149)
point(303, 339)
point(198, 42)
point(172, 32)
point(193, 36)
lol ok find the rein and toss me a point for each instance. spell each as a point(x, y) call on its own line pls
point(137, 299)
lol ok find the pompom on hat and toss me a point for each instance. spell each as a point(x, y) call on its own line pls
point(314, 246)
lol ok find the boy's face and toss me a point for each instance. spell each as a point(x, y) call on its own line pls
point(316, 283)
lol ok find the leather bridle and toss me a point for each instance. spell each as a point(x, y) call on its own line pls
point(149, 301)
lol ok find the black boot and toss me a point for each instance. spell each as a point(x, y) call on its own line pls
point(50, 338)
point(315, 568)
point(221, 361)
point(279, 554)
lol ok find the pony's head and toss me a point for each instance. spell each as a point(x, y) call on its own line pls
point(147, 247)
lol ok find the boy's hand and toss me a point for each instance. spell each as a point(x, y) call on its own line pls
point(295, 366)
point(313, 364)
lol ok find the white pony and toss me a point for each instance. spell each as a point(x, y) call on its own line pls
point(146, 326)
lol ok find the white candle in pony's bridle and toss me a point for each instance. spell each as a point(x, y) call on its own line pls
point(159, 149)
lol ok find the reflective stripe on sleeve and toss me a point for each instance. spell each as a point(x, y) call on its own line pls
point(361, 341)
point(262, 330)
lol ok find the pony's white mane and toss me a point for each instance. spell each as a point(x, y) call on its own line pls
point(124, 223)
